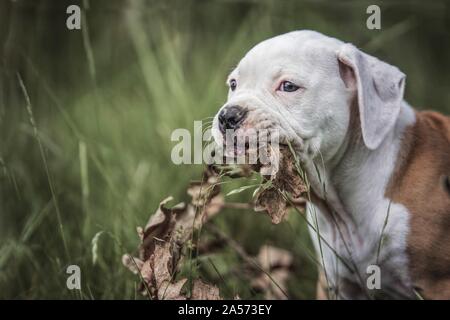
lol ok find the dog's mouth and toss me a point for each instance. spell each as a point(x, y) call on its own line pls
point(248, 145)
point(250, 138)
point(235, 149)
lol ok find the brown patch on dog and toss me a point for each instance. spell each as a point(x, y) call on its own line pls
point(446, 183)
point(417, 184)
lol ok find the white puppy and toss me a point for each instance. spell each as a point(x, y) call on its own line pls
point(343, 111)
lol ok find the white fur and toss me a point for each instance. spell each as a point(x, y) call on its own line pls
point(360, 181)
point(353, 175)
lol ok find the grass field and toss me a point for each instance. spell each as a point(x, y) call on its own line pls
point(86, 118)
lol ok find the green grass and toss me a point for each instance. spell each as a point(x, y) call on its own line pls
point(86, 119)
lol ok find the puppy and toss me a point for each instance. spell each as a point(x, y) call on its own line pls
point(378, 170)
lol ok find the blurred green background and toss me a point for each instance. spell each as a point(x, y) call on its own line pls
point(105, 100)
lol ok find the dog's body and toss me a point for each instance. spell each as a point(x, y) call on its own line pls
point(398, 194)
point(378, 170)
point(420, 183)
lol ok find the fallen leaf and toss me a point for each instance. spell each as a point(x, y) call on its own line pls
point(204, 291)
point(169, 231)
point(166, 234)
point(163, 264)
point(273, 202)
point(270, 197)
point(204, 190)
point(171, 291)
point(205, 194)
point(159, 226)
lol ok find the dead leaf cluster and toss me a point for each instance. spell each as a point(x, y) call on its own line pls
point(169, 233)
point(164, 240)
point(273, 193)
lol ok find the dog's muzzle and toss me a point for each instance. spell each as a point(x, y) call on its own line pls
point(231, 117)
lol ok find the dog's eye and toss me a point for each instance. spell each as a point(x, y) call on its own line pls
point(233, 84)
point(288, 86)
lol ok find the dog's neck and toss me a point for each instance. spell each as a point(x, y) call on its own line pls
point(354, 208)
point(356, 178)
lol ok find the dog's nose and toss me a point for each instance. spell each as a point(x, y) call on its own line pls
point(231, 117)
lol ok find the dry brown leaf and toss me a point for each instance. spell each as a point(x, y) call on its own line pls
point(159, 226)
point(173, 225)
point(163, 264)
point(166, 234)
point(185, 222)
point(205, 194)
point(169, 230)
point(204, 291)
point(206, 189)
point(269, 198)
point(272, 202)
point(147, 275)
point(171, 291)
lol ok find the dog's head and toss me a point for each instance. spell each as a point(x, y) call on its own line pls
point(302, 85)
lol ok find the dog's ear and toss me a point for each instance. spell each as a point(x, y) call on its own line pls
point(379, 87)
